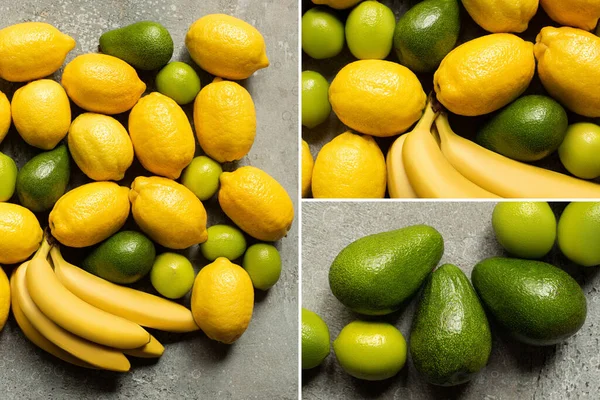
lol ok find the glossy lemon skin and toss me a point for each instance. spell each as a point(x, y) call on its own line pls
point(20, 231)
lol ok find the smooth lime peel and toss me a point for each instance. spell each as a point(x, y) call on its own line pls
point(322, 33)
point(263, 263)
point(172, 275)
point(178, 81)
point(8, 177)
point(315, 339)
point(223, 241)
point(202, 177)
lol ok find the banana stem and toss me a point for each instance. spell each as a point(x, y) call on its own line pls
point(427, 119)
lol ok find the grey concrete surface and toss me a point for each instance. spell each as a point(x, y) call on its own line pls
point(263, 363)
point(570, 370)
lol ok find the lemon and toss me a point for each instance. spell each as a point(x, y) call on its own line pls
point(223, 300)
point(484, 74)
point(500, 16)
point(4, 298)
point(168, 212)
point(8, 177)
point(338, 4)
point(5, 116)
point(307, 169)
point(568, 60)
point(100, 146)
point(102, 84)
point(257, 203)
point(225, 120)
point(32, 50)
point(161, 135)
point(226, 46)
point(350, 166)
point(315, 339)
point(172, 275)
point(89, 214)
point(379, 98)
point(20, 232)
point(582, 14)
point(41, 113)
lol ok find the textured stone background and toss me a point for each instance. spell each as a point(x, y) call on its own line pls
point(570, 370)
point(262, 364)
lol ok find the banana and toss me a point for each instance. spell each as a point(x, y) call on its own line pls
point(429, 173)
point(506, 177)
point(75, 315)
point(92, 353)
point(153, 349)
point(397, 181)
point(142, 308)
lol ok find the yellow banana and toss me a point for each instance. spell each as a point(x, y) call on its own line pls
point(429, 173)
point(75, 315)
point(153, 349)
point(397, 181)
point(142, 308)
point(506, 177)
point(92, 353)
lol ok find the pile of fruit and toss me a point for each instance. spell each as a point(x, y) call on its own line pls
point(85, 315)
point(450, 340)
point(381, 96)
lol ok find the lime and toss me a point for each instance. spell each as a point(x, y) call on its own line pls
point(579, 151)
point(373, 351)
point(172, 275)
point(322, 33)
point(370, 30)
point(263, 264)
point(223, 241)
point(178, 81)
point(202, 177)
point(578, 233)
point(315, 339)
point(315, 99)
point(8, 177)
point(525, 229)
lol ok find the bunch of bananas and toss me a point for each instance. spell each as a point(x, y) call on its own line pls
point(85, 320)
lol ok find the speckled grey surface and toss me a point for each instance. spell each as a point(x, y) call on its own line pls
point(262, 364)
point(570, 370)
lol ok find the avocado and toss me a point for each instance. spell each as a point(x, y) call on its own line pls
point(527, 130)
point(450, 339)
point(44, 179)
point(145, 45)
point(376, 274)
point(426, 33)
point(126, 257)
point(538, 303)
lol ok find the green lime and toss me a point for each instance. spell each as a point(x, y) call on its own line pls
point(322, 33)
point(178, 81)
point(172, 275)
point(202, 177)
point(373, 351)
point(315, 99)
point(525, 229)
point(370, 30)
point(579, 151)
point(8, 177)
point(223, 241)
point(578, 233)
point(315, 339)
point(263, 263)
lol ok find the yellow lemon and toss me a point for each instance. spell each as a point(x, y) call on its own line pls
point(20, 232)
point(350, 166)
point(89, 214)
point(225, 120)
point(226, 46)
point(5, 116)
point(168, 212)
point(485, 74)
point(338, 4)
point(257, 203)
point(102, 84)
point(223, 300)
point(42, 113)
point(379, 98)
point(32, 50)
point(582, 14)
point(569, 68)
point(161, 135)
point(4, 298)
point(500, 16)
point(307, 169)
point(100, 146)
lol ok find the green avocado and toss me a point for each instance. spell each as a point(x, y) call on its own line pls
point(375, 275)
point(450, 340)
point(537, 303)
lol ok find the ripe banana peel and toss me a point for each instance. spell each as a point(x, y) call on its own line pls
point(154, 349)
point(398, 184)
point(505, 177)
